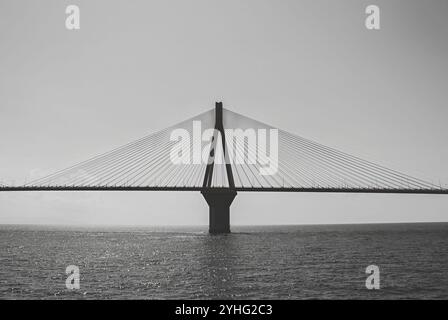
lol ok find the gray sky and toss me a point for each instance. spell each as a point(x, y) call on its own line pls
point(308, 67)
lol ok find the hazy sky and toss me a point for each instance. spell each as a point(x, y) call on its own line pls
point(308, 67)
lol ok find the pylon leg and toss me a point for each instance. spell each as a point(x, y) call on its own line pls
point(219, 202)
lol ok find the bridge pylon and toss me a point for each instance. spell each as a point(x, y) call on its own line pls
point(219, 209)
point(218, 199)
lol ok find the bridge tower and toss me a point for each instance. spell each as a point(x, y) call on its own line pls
point(218, 199)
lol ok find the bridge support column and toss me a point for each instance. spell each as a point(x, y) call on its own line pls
point(219, 202)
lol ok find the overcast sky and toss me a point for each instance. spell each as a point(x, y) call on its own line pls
point(308, 67)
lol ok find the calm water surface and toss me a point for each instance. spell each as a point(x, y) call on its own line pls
point(283, 262)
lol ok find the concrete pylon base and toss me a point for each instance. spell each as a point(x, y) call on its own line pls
point(219, 202)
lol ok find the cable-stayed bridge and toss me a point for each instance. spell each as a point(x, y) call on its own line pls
point(239, 154)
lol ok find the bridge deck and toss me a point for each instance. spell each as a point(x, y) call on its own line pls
point(238, 189)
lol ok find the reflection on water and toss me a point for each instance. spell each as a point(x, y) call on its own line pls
point(290, 262)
